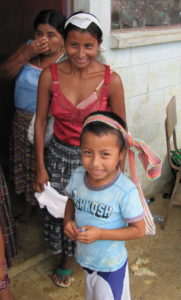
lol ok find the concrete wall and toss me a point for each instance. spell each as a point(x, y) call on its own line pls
point(151, 75)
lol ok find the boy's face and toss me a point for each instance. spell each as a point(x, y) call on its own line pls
point(100, 157)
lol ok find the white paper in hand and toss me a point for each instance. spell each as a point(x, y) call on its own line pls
point(54, 202)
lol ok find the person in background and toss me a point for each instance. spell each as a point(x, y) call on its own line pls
point(104, 209)
point(72, 89)
point(8, 248)
point(26, 64)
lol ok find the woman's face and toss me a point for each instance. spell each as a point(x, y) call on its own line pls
point(81, 48)
point(47, 35)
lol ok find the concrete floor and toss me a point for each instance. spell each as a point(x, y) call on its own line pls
point(32, 271)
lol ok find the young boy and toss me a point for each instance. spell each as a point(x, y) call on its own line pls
point(103, 209)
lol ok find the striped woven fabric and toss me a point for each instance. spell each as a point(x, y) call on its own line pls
point(151, 163)
point(6, 221)
point(4, 283)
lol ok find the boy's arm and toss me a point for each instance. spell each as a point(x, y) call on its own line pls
point(135, 230)
point(70, 227)
point(91, 234)
point(69, 211)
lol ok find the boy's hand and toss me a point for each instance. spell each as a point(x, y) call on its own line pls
point(89, 235)
point(71, 230)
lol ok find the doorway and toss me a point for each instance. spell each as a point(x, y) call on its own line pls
point(16, 28)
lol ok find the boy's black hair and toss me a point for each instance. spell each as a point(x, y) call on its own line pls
point(100, 128)
point(93, 29)
point(51, 17)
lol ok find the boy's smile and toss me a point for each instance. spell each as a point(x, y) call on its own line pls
point(100, 157)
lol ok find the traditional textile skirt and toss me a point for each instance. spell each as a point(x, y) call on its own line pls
point(6, 221)
point(22, 156)
point(61, 160)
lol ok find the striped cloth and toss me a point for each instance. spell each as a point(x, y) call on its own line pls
point(61, 160)
point(6, 221)
point(5, 282)
point(150, 161)
point(22, 156)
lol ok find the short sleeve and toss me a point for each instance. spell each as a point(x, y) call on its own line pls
point(75, 181)
point(131, 206)
point(69, 187)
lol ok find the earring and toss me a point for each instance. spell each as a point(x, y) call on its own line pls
point(100, 57)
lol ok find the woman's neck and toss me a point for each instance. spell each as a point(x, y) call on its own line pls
point(42, 61)
point(81, 72)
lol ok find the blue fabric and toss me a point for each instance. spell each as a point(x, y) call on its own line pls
point(26, 88)
point(104, 207)
point(115, 280)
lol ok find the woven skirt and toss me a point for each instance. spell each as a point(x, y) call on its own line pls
point(61, 161)
point(6, 221)
point(22, 156)
point(5, 282)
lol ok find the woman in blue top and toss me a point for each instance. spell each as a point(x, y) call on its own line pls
point(26, 64)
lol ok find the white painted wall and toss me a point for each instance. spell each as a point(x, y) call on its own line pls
point(151, 75)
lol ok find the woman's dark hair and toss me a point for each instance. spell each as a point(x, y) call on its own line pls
point(93, 29)
point(51, 17)
point(100, 128)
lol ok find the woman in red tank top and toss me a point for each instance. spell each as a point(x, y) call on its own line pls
point(71, 90)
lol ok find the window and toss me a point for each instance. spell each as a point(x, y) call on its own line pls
point(127, 14)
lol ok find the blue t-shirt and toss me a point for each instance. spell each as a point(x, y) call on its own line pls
point(111, 206)
point(26, 88)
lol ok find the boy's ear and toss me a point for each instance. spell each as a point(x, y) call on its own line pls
point(121, 155)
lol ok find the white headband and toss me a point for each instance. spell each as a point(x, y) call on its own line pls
point(82, 20)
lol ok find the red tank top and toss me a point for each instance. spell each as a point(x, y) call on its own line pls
point(68, 118)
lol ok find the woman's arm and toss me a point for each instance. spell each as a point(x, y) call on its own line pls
point(12, 65)
point(117, 104)
point(43, 103)
point(133, 231)
point(2, 256)
point(1, 246)
point(116, 96)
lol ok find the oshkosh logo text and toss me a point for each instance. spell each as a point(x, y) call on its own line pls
point(100, 210)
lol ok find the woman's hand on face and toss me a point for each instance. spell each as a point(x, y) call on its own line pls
point(41, 179)
point(36, 47)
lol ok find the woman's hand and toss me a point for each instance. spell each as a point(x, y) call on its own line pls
point(36, 47)
point(41, 179)
point(71, 230)
point(89, 234)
